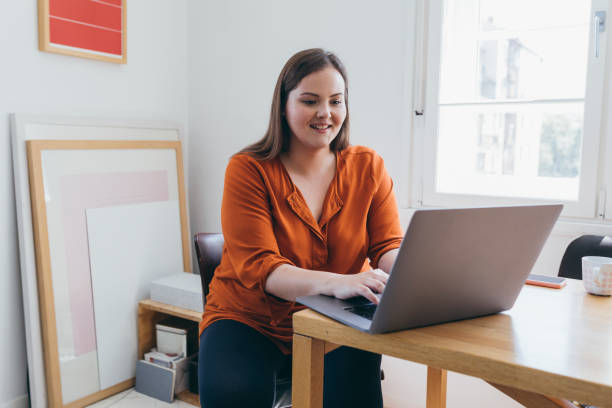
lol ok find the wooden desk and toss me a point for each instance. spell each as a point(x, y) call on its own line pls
point(552, 342)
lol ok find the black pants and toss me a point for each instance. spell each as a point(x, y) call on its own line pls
point(238, 367)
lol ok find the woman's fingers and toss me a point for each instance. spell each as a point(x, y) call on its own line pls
point(368, 294)
point(377, 279)
point(366, 284)
point(380, 275)
point(375, 285)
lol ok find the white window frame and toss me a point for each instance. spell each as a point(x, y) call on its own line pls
point(594, 166)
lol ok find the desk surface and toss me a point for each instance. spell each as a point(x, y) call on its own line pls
point(553, 342)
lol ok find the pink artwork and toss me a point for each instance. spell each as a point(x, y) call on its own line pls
point(79, 193)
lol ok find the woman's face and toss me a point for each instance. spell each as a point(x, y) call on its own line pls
point(315, 109)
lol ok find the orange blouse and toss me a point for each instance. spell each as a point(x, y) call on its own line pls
point(266, 223)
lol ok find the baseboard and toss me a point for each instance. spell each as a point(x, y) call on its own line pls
point(20, 402)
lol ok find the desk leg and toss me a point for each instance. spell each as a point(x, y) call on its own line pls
point(307, 381)
point(436, 388)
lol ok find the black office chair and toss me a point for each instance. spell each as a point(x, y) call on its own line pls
point(586, 245)
point(208, 249)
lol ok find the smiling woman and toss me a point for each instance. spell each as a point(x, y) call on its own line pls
point(301, 65)
point(303, 213)
point(313, 115)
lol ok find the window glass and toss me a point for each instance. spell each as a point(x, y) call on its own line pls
point(512, 97)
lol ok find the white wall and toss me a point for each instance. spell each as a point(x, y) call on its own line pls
point(237, 50)
point(153, 85)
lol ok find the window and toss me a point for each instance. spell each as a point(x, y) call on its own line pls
point(512, 102)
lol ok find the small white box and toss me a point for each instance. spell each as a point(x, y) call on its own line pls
point(182, 289)
point(171, 342)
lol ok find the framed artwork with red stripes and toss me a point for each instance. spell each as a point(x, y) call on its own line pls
point(83, 28)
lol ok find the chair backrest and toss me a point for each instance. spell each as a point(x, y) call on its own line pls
point(208, 249)
point(586, 245)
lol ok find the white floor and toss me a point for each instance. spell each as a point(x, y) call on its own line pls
point(132, 399)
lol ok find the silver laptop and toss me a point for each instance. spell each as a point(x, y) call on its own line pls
point(453, 264)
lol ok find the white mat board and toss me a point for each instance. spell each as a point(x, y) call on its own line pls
point(74, 383)
point(129, 246)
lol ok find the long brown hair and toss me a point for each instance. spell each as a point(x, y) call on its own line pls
point(276, 139)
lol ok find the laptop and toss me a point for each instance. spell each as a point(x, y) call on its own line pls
point(453, 264)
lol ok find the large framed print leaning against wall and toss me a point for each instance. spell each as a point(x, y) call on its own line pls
point(107, 218)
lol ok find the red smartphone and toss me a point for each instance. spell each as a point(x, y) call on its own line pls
point(547, 281)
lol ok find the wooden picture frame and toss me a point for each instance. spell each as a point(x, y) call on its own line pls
point(52, 127)
point(89, 29)
point(58, 382)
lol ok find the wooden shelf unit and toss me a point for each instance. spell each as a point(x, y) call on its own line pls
point(149, 313)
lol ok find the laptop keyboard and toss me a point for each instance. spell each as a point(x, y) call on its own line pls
point(366, 311)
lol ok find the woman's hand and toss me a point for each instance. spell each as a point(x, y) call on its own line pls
point(289, 282)
point(365, 284)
